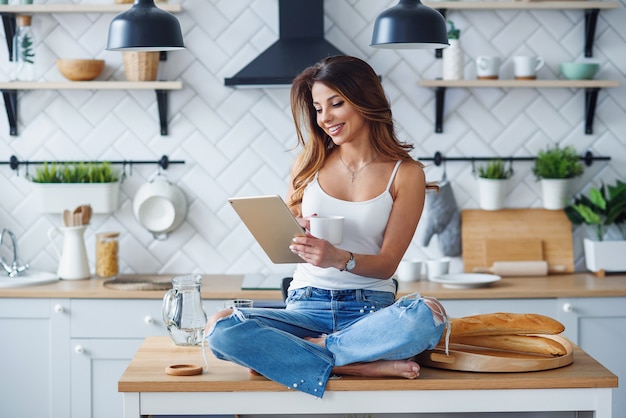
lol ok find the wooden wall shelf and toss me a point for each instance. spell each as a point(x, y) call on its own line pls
point(592, 87)
point(591, 8)
point(10, 89)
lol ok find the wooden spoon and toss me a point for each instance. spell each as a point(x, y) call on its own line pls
point(67, 218)
point(87, 211)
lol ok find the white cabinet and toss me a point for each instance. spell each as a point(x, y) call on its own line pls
point(598, 326)
point(105, 334)
point(34, 358)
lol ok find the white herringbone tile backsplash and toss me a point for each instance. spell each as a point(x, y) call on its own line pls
point(239, 141)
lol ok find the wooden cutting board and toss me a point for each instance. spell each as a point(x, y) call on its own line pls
point(476, 359)
point(537, 233)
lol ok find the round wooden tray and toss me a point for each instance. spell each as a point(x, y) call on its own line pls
point(476, 359)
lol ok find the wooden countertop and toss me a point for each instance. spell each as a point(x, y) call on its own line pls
point(222, 287)
point(146, 373)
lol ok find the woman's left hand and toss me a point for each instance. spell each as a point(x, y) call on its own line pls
point(317, 252)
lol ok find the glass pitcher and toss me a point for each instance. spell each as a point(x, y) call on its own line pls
point(183, 312)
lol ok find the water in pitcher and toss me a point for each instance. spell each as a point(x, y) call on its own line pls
point(183, 312)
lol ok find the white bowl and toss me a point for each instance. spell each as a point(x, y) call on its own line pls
point(160, 206)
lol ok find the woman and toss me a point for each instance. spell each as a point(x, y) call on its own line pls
point(340, 316)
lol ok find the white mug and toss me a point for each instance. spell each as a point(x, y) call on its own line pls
point(409, 270)
point(526, 67)
point(329, 228)
point(439, 267)
point(487, 67)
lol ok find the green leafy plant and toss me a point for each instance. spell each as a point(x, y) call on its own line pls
point(603, 207)
point(495, 169)
point(453, 32)
point(76, 173)
point(557, 163)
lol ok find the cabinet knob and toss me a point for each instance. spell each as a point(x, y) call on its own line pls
point(568, 307)
point(58, 308)
point(148, 320)
point(79, 349)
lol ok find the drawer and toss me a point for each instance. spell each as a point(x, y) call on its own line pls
point(122, 318)
point(116, 318)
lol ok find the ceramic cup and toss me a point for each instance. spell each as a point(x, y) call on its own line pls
point(239, 303)
point(409, 270)
point(438, 267)
point(526, 67)
point(329, 228)
point(487, 68)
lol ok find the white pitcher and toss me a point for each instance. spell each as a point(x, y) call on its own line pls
point(73, 262)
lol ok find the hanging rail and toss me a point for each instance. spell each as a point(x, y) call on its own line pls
point(163, 162)
point(438, 158)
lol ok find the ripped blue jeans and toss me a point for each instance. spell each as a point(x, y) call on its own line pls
point(360, 326)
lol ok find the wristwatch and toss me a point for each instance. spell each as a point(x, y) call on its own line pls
point(350, 264)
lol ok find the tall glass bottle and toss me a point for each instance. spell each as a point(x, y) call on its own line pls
point(23, 50)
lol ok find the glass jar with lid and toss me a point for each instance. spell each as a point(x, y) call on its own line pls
point(107, 249)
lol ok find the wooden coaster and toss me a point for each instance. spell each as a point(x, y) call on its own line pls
point(487, 77)
point(183, 370)
point(525, 77)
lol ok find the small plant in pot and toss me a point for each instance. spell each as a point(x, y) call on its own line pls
point(602, 209)
point(492, 183)
point(555, 167)
point(65, 186)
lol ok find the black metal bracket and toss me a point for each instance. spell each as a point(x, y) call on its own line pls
point(588, 158)
point(10, 25)
point(591, 18)
point(440, 98)
point(10, 103)
point(161, 96)
point(591, 100)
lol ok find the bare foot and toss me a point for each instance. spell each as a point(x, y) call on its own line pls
point(381, 368)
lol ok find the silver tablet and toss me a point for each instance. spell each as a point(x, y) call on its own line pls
point(271, 223)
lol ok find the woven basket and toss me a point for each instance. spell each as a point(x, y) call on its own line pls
point(141, 66)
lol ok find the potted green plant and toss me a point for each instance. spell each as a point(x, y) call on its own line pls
point(602, 209)
point(492, 183)
point(65, 186)
point(555, 167)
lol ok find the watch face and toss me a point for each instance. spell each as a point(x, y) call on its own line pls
point(351, 264)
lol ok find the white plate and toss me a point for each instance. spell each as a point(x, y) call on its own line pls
point(465, 281)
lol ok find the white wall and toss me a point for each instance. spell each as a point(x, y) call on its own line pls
point(238, 141)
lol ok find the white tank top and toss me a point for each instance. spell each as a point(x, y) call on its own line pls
point(363, 231)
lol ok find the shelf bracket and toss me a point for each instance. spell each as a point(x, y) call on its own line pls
point(10, 103)
point(591, 99)
point(9, 23)
point(591, 18)
point(440, 96)
point(162, 104)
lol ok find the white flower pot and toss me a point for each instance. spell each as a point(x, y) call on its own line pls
point(605, 255)
point(491, 193)
point(555, 193)
point(453, 60)
point(56, 197)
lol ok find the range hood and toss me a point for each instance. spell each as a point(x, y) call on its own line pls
point(301, 44)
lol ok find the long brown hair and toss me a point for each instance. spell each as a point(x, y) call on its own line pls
point(359, 85)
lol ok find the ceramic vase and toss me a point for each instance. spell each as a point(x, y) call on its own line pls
point(56, 197)
point(452, 62)
point(605, 255)
point(491, 193)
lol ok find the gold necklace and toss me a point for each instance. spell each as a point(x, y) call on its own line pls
point(353, 173)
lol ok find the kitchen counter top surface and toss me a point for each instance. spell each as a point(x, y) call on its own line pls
point(220, 287)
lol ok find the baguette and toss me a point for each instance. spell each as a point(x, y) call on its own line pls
point(534, 344)
point(501, 323)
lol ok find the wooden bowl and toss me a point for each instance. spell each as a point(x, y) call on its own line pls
point(80, 69)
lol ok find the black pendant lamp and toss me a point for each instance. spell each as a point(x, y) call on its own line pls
point(145, 27)
point(410, 25)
